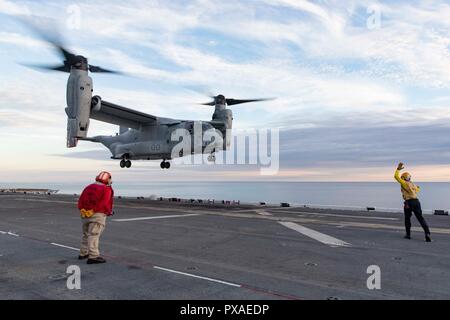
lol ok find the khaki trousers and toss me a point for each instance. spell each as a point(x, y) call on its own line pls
point(93, 228)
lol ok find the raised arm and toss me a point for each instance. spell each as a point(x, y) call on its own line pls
point(398, 178)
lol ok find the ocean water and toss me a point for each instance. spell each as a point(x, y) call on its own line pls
point(334, 194)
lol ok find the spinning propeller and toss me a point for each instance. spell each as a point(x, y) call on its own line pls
point(221, 100)
point(70, 60)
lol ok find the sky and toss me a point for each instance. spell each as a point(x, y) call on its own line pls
point(360, 85)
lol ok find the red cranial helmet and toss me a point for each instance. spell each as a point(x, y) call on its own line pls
point(103, 177)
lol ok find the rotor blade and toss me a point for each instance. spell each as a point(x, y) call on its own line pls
point(200, 89)
point(70, 57)
point(46, 29)
point(96, 69)
point(212, 104)
point(61, 68)
point(232, 102)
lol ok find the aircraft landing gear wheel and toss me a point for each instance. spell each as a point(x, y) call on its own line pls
point(128, 164)
point(165, 165)
point(122, 164)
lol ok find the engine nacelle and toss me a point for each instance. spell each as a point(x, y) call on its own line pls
point(225, 115)
point(79, 97)
point(96, 103)
point(227, 134)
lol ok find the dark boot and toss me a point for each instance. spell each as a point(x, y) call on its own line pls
point(80, 257)
point(428, 238)
point(407, 237)
point(97, 260)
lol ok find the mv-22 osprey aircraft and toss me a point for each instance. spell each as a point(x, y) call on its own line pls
point(142, 136)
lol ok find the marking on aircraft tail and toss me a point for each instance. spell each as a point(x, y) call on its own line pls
point(157, 217)
point(321, 237)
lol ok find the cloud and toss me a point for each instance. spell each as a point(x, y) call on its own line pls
point(21, 40)
point(333, 22)
point(347, 95)
point(297, 86)
point(93, 154)
point(365, 146)
point(21, 120)
point(9, 7)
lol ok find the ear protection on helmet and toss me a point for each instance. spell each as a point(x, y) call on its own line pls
point(406, 176)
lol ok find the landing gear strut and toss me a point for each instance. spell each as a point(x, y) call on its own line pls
point(125, 163)
point(165, 165)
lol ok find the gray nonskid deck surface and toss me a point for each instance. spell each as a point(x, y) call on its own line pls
point(161, 250)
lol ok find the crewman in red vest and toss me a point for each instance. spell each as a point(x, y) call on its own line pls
point(95, 204)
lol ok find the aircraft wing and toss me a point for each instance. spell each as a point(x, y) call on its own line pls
point(112, 113)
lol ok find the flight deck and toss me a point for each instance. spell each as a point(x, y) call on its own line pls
point(170, 250)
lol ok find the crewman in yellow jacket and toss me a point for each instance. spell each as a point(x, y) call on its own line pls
point(412, 203)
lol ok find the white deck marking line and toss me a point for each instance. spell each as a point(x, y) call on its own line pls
point(263, 213)
point(63, 246)
point(199, 277)
point(346, 216)
point(157, 217)
point(321, 237)
point(12, 234)
point(3, 232)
